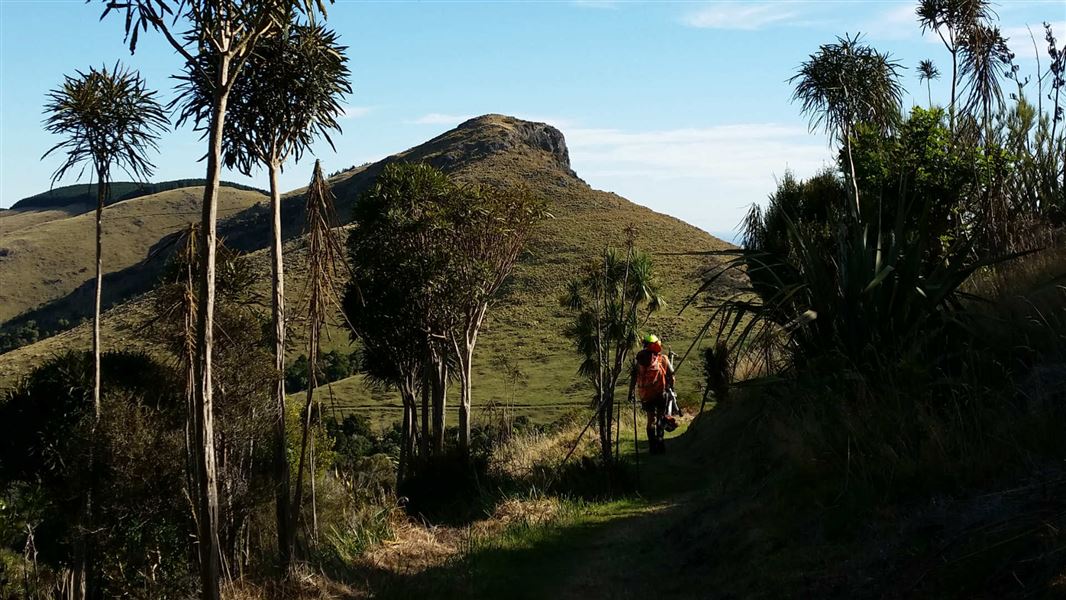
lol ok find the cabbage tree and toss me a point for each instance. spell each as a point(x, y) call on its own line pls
point(216, 39)
point(289, 97)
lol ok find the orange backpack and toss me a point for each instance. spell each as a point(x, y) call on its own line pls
point(651, 380)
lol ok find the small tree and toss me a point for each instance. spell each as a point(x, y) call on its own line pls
point(289, 97)
point(110, 120)
point(489, 229)
point(985, 61)
point(845, 84)
point(927, 72)
point(323, 253)
point(952, 21)
point(396, 301)
point(610, 300)
point(219, 38)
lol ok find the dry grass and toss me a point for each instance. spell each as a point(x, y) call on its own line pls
point(416, 547)
point(14, 220)
point(536, 452)
point(304, 585)
point(529, 513)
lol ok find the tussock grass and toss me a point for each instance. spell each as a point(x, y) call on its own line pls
point(305, 584)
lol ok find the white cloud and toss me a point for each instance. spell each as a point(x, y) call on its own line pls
point(355, 112)
point(739, 153)
point(707, 176)
point(739, 15)
point(1021, 43)
point(897, 23)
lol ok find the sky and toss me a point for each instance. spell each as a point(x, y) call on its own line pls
point(682, 106)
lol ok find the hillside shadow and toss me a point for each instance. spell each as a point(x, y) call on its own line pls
point(118, 287)
point(607, 557)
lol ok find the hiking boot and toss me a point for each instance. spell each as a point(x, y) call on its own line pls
point(656, 446)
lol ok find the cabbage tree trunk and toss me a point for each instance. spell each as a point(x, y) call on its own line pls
point(207, 495)
point(281, 463)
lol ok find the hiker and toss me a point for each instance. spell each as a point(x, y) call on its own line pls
point(652, 376)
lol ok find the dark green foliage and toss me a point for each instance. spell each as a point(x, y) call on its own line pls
point(399, 301)
point(395, 294)
point(333, 366)
point(717, 372)
point(923, 163)
point(296, 376)
point(354, 440)
point(137, 473)
point(875, 287)
point(68, 195)
point(813, 206)
point(20, 335)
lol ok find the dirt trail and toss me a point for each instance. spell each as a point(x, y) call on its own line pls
point(614, 549)
point(629, 557)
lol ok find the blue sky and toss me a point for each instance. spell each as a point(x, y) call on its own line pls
point(680, 106)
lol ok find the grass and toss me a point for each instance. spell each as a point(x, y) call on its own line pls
point(42, 261)
point(736, 508)
point(534, 544)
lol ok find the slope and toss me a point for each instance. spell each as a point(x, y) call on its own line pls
point(527, 323)
point(42, 261)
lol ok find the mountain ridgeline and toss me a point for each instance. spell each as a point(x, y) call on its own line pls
point(75, 196)
point(488, 150)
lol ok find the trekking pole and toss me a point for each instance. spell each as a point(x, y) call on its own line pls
point(577, 442)
point(636, 447)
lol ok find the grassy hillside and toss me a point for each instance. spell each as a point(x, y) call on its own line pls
point(526, 325)
point(43, 261)
point(12, 220)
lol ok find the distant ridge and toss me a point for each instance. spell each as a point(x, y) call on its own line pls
point(82, 193)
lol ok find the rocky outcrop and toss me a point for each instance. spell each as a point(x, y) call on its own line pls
point(484, 136)
point(512, 133)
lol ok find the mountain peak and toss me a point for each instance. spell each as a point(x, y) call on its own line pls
point(492, 134)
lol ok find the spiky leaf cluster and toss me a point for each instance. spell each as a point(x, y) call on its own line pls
point(847, 83)
point(927, 71)
point(289, 95)
point(108, 118)
point(610, 301)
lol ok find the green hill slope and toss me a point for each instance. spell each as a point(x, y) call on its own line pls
point(527, 322)
point(43, 261)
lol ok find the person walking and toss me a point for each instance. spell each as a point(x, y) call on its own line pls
point(652, 378)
